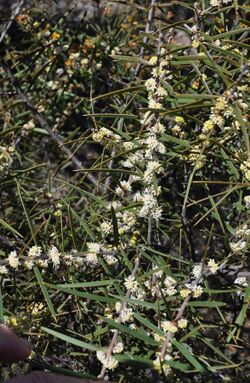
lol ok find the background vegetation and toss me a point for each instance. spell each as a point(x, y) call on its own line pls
point(125, 175)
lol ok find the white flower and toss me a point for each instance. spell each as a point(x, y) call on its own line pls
point(108, 361)
point(106, 227)
point(125, 187)
point(159, 366)
point(169, 281)
point(161, 92)
point(110, 259)
point(3, 270)
point(158, 128)
point(197, 270)
point(13, 260)
point(197, 291)
point(215, 3)
point(131, 283)
point(168, 326)
point(241, 281)
point(247, 201)
point(54, 256)
point(170, 291)
point(237, 247)
point(118, 348)
point(118, 307)
point(152, 104)
point(43, 263)
point(126, 315)
point(91, 259)
point(153, 167)
point(245, 168)
point(182, 323)
point(150, 84)
point(213, 266)
point(35, 251)
point(94, 247)
point(29, 265)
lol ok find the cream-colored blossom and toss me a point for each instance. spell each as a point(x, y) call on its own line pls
point(213, 266)
point(35, 251)
point(110, 259)
point(197, 270)
point(215, 3)
point(168, 326)
point(197, 291)
point(125, 186)
point(241, 281)
point(106, 227)
point(3, 270)
point(247, 201)
point(182, 323)
point(245, 168)
point(238, 246)
point(29, 264)
point(54, 256)
point(184, 292)
point(131, 283)
point(118, 348)
point(13, 259)
point(108, 362)
point(126, 314)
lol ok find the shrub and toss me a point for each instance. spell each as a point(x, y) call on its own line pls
point(125, 164)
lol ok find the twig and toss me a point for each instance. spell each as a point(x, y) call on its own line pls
point(8, 25)
point(119, 320)
point(145, 38)
point(44, 124)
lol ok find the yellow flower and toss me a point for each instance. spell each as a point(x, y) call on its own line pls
point(180, 120)
point(184, 293)
point(55, 36)
point(153, 60)
point(195, 44)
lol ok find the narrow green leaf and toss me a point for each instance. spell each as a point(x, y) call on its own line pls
point(148, 324)
point(115, 226)
point(1, 303)
point(45, 292)
point(106, 282)
point(10, 228)
point(69, 339)
point(26, 212)
point(210, 304)
point(133, 333)
point(187, 355)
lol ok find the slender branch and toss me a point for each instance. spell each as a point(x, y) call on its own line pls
point(119, 320)
point(145, 38)
point(8, 25)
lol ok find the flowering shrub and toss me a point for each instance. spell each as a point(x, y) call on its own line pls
point(125, 167)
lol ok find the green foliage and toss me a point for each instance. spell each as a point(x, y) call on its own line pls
point(125, 178)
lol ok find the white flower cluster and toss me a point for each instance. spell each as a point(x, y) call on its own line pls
point(245, 168)
point(93, 249)
point(219, 3)
point(247, 201)
point(105, 136)
point(6, 156)
point(35, 257)
point(240, 242)
point(217, 118)
point(150, 203)
point(108, 362)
